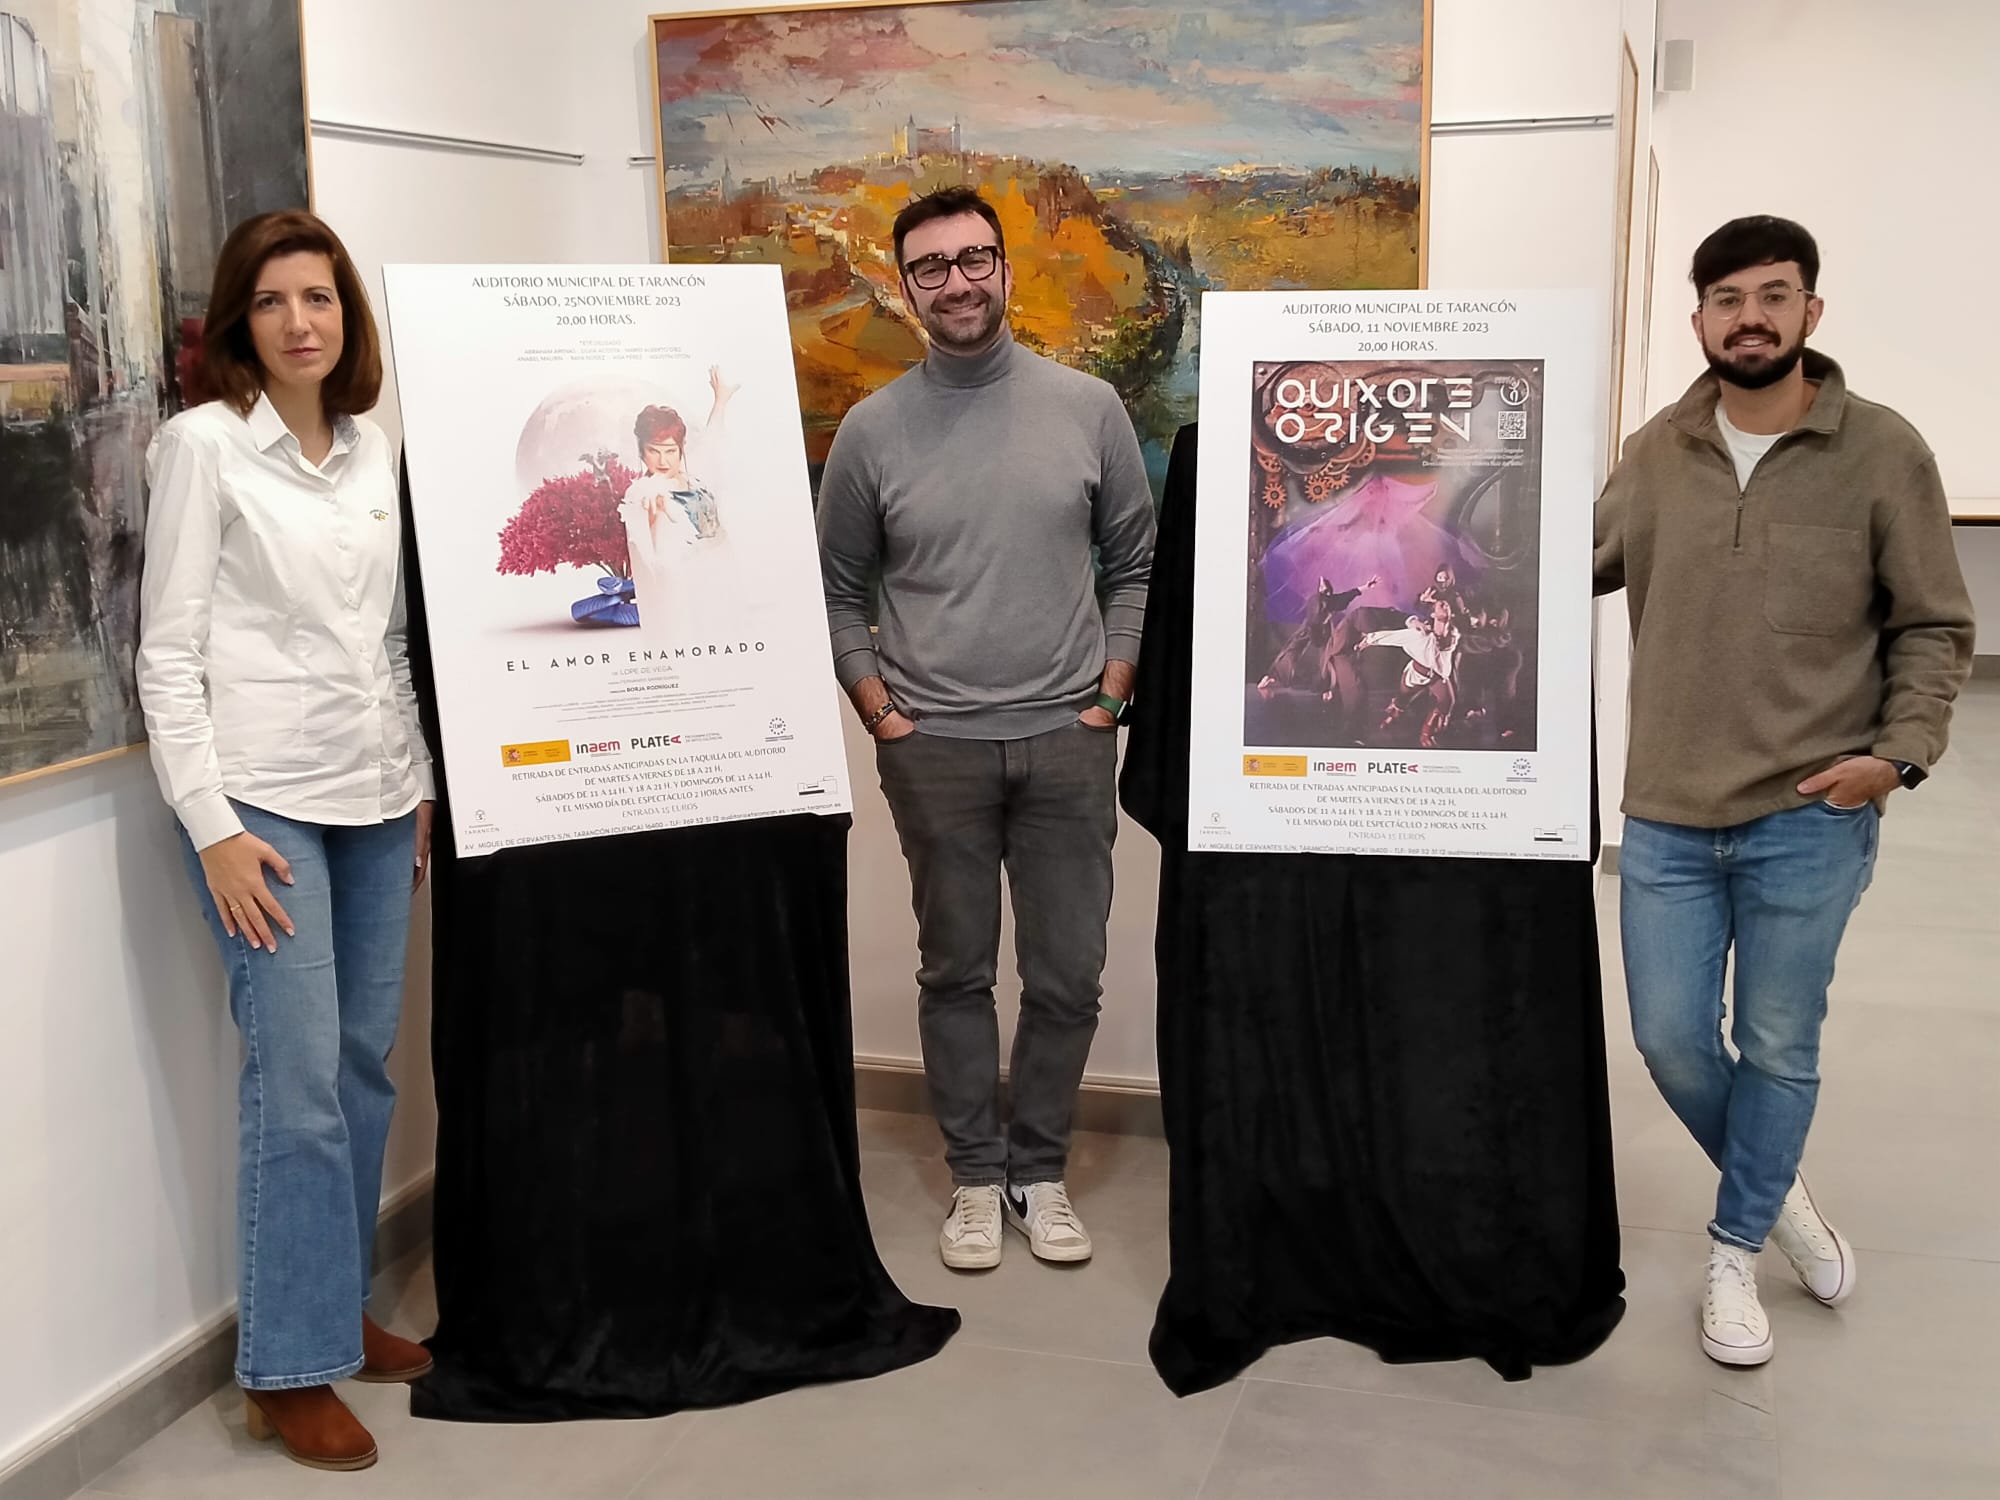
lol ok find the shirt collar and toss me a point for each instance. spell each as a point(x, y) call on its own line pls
point(1695, 412)
point(268, 429)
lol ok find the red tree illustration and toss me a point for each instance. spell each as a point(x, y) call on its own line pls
point(572, 519)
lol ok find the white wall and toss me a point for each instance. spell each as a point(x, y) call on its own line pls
point(1869, 124)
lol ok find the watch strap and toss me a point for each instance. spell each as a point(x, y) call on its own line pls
point(1113, 706)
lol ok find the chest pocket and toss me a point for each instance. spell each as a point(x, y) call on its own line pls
point(1817, 579)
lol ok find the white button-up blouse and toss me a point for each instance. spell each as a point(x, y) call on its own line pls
point(271, 658)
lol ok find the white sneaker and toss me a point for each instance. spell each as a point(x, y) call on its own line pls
point(1817, 1251)
point(970, 1239)
point(1042, 1211)
point(1734, 1330)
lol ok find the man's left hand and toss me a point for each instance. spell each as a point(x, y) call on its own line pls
point(1097, 718)
point(1849, 783)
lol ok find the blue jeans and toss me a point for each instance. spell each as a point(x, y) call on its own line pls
point(318, 1018)
point(1780, 889)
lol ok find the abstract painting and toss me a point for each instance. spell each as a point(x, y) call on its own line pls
point(1139, 153)
point(133, 133)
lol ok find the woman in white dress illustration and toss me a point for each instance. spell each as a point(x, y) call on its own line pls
point(683, 571)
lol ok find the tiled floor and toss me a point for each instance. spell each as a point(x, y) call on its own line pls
point(1047, 1395)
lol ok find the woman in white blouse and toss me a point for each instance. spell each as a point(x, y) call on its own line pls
point(284, 733)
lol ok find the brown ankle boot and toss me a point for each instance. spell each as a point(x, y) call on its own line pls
point(315, 1426)
point(387, 1359)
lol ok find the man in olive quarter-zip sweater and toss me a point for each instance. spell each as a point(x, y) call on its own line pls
point(1800, 630)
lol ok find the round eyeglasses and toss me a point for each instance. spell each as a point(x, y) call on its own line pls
point(1776, 298)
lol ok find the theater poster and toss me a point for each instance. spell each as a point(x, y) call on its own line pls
point(613, 517)
point(1392, 600)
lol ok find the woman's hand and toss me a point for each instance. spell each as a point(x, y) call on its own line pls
point(426, 814)
point(235, 872)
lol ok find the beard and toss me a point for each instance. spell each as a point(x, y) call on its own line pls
point(991, 312)
point(1756, 371)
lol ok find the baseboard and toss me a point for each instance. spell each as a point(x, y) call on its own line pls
point(1112, 1105)
point(1985, 668)
point(174, 1384)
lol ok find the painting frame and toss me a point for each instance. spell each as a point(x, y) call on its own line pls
point(1421, 152)
point(1646, 295)
point(10, 779)
point(1621, 239)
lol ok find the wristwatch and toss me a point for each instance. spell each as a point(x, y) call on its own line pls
point(1113, 706)
point(875, 719)
point(1912, 776)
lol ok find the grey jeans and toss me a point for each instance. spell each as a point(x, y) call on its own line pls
point(1045, 810)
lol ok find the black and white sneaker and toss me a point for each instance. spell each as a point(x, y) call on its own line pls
point(1042, 1211)
point(970, 1239)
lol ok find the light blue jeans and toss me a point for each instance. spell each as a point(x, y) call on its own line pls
point(318, 1018)
point(1779, 890)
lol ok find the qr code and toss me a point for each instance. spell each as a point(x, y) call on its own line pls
point(1513, 427)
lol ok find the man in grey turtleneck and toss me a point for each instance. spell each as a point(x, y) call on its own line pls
point(975, 488)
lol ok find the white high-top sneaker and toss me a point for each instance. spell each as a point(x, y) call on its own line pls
point(1734, 1330)
point(970, 1239)
point(1042, 1211)
point(1818, 1252)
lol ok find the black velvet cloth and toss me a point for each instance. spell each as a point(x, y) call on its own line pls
point(1383, 1078)
point(648, 1177)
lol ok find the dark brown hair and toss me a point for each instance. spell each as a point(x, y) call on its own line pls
point(229, 365)
point(660, 424)
point(1762, 240)
point(947, 203)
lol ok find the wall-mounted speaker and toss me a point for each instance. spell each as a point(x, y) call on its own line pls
point(1673, 71)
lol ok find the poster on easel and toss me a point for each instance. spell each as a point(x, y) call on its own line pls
point(612, 509)
point(1392, 624)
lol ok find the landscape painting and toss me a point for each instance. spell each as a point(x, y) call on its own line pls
point(1139, 153)
point(133, 133)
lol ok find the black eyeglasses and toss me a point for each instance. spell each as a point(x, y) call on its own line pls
point(976, 263)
